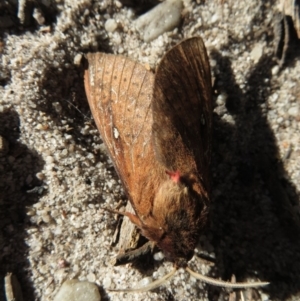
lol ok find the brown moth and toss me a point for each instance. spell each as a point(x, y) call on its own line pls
point(158, 133)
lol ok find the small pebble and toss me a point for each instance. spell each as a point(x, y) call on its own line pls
point(162, 18)
point(145, 281)
point(256, 53)
point(46, 218)
point(158, 256)
point(215, 18)
point(91, 277)
point(275, 70)
point(106, 282)
point(111, 25)
point(12, 287)
point(221, 99)
point(38, 16)
point(75, 290)
point(77, 59)
point(293, 111)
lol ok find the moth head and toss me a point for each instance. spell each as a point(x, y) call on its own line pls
point(178, 215)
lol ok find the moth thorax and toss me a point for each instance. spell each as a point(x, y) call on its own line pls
point(171, 195)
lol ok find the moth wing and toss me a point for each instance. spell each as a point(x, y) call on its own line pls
point(182, 110)
point(119, 93)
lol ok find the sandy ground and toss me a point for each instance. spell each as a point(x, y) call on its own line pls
point(56, 174)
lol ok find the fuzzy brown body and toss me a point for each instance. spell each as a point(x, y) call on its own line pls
point(153, 124)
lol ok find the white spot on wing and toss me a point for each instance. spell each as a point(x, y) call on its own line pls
point(116, 133)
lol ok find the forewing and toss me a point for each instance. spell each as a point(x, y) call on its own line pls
point(119, 93)
point(182, 110)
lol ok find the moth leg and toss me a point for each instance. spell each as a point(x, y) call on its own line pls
point(131, 255)
point(134, 219)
